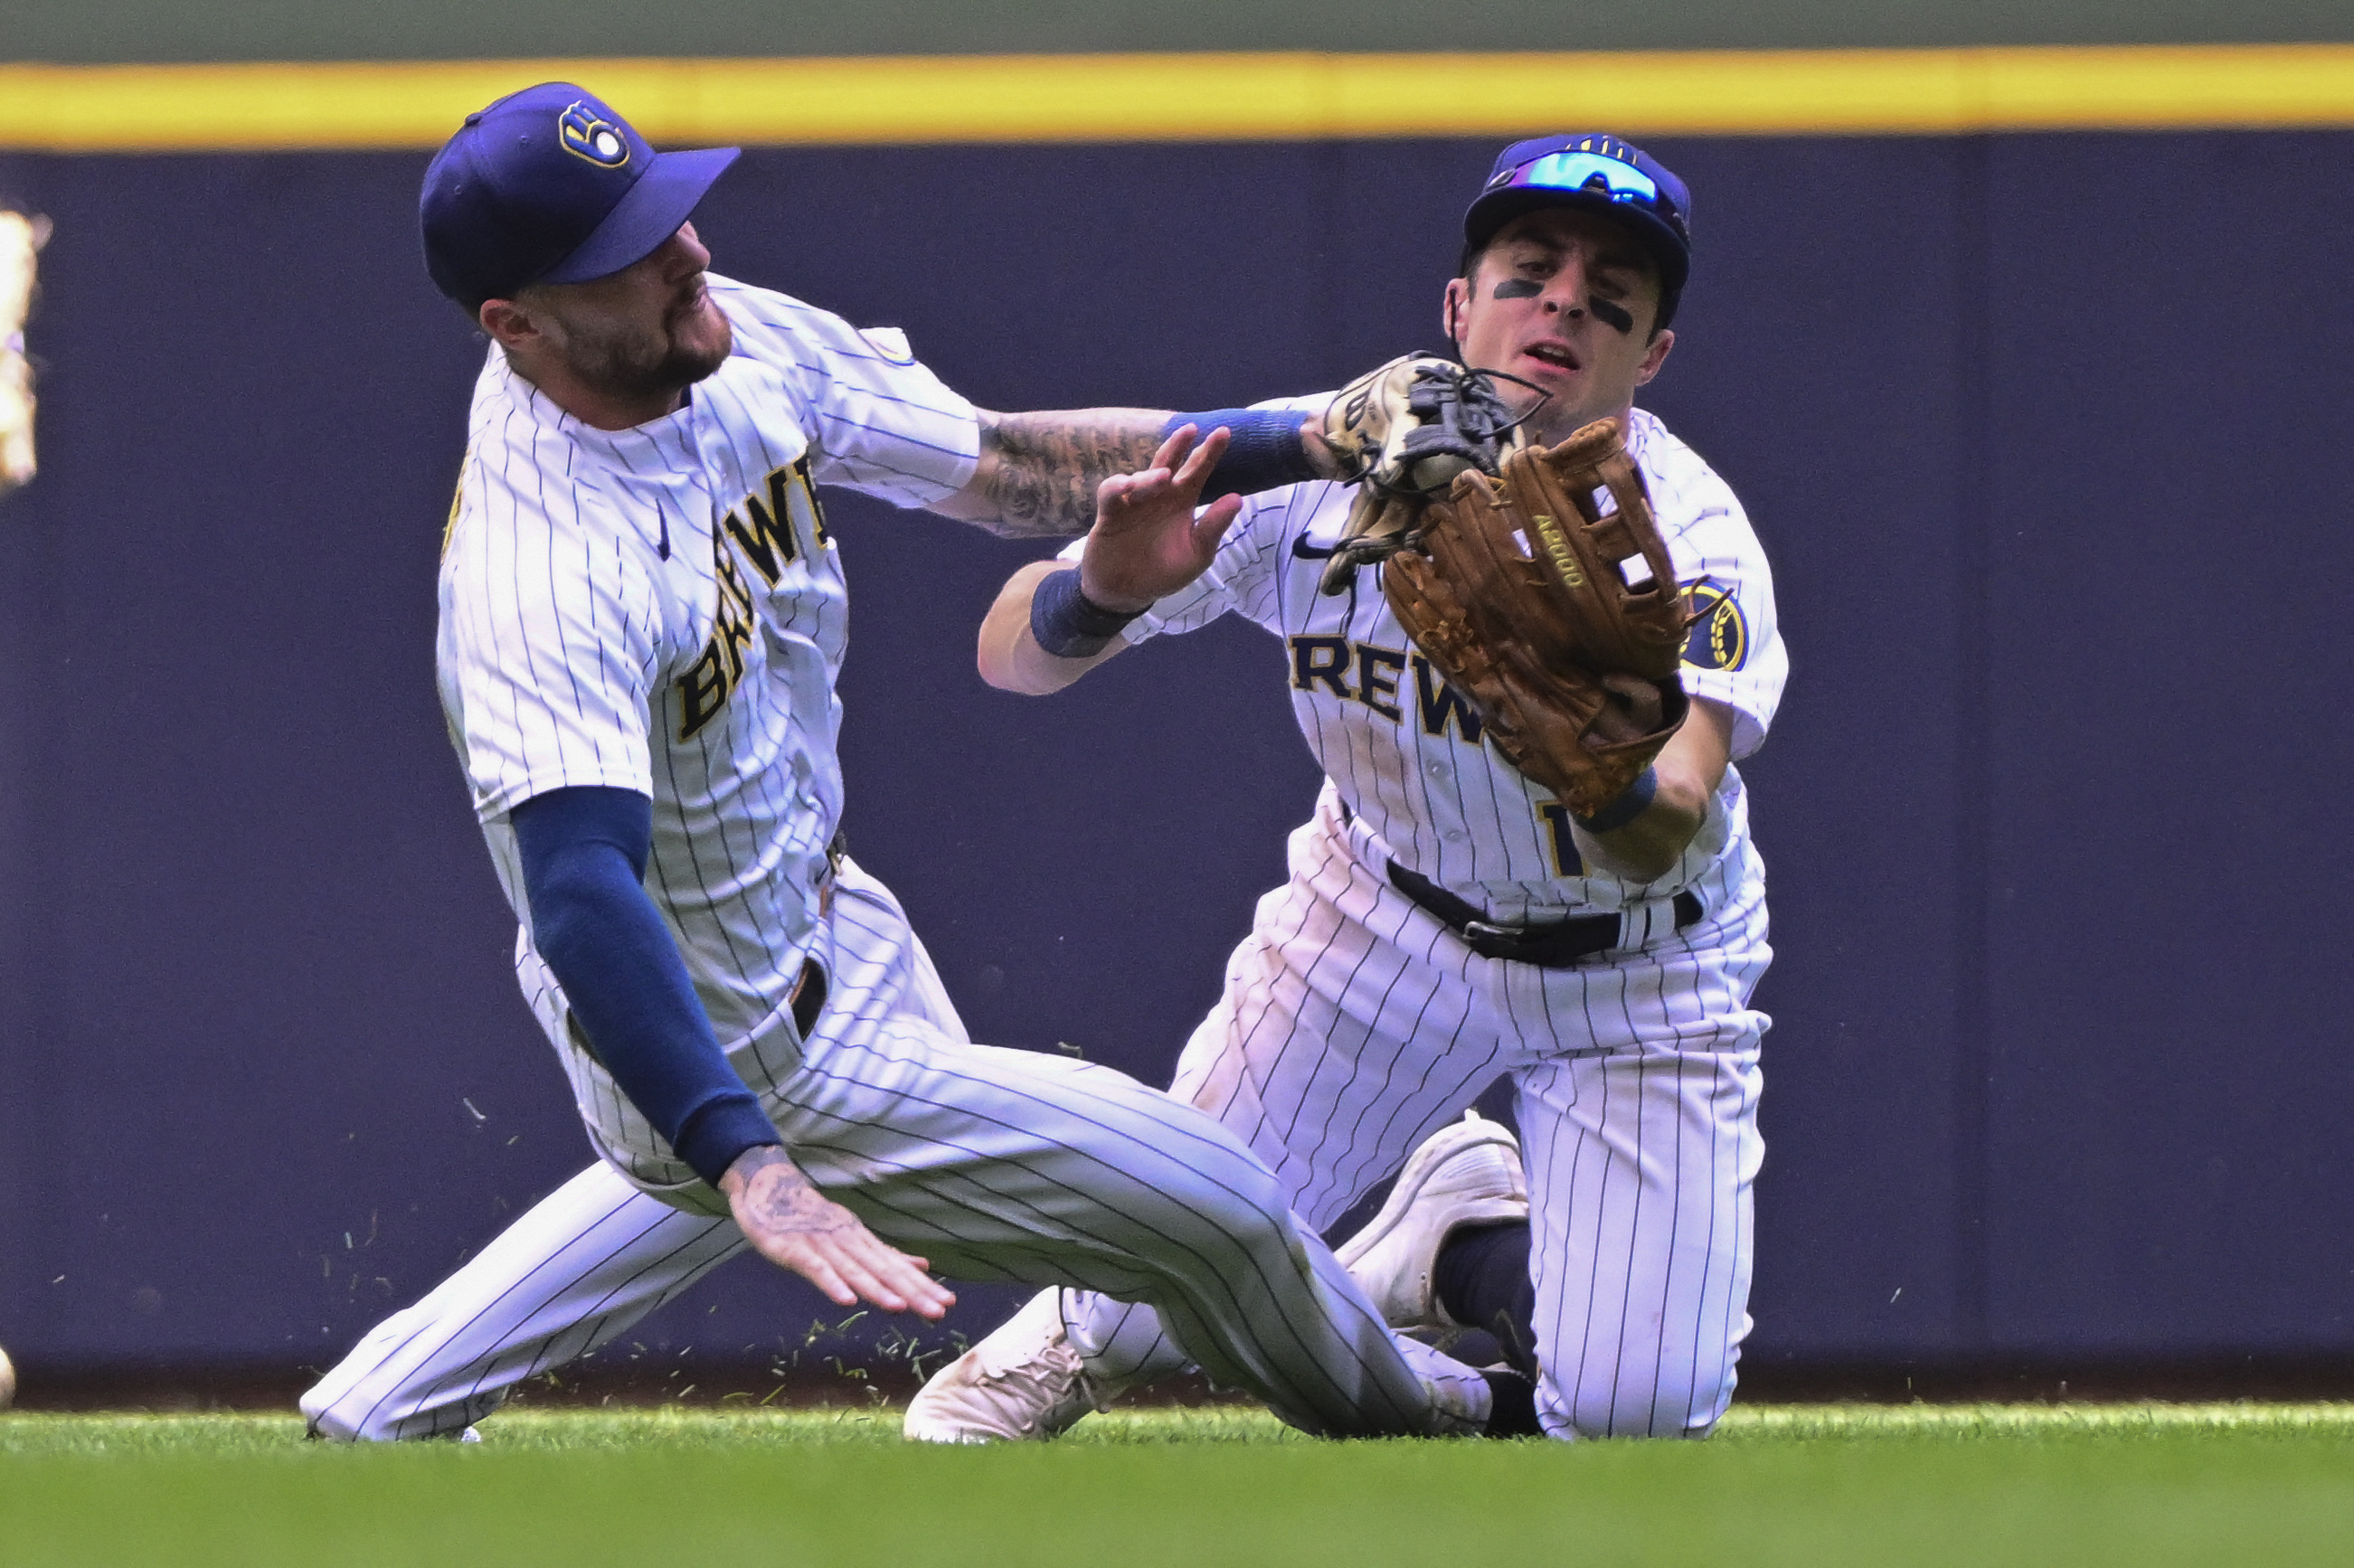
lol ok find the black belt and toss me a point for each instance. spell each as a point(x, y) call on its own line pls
point(1557, 944)
point(808, 1000)
point(809, 997)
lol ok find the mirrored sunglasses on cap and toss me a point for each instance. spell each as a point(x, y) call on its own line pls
point(1591, 173)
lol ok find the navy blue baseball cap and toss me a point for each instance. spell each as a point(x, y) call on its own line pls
point(550, 185)
point(1590, 169)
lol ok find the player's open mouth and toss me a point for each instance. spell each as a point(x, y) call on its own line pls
point(1553, 353)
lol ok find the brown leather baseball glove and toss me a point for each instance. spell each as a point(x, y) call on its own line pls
point(1547, 598)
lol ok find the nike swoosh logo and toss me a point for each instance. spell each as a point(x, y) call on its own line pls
point(1301, 550)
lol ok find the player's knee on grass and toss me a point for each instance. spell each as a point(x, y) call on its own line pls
point(1635, 1405)
point(1483, 1283)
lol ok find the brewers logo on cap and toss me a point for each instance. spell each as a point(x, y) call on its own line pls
point(591, 135)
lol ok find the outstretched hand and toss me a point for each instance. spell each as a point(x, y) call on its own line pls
point(1147, 542)
point(792, 1224)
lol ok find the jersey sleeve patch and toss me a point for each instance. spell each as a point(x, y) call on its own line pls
point(1718, 638)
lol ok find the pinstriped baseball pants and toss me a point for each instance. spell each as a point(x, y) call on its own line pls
point(1353, 1025)
point(992, 1164)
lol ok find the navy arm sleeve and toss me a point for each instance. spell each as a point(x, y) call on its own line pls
point(584, 866)
point(1265, 449)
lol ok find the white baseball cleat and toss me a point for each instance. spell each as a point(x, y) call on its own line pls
point(1467, 1173)
point(1021, 1384)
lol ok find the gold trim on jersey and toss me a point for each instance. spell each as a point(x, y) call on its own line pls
point(457, 500)
point(884, 100)
point(712, 679)
point(763, 528)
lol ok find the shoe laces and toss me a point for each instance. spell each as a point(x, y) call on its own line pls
point(1051, 1381)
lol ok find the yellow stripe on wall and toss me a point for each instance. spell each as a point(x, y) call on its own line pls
point(1203, 97)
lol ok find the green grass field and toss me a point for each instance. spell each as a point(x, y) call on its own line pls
point(1795, 1485)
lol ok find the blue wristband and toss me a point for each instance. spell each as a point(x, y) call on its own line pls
point(1067, 622)
point(1625, 808)
point(1264, 451)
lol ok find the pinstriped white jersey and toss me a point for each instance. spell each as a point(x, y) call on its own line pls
point(660, 609)
point(1403, 749)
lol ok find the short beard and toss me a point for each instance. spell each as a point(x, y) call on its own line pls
point(636, 368)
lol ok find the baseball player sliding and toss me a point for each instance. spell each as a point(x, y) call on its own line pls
point(1448, 917)
point(642, 622)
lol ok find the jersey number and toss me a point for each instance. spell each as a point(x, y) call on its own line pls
point(1566, 861)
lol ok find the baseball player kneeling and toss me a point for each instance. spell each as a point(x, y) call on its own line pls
point(1530, 855)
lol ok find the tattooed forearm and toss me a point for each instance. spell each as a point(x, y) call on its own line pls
point(771, 1192)
point(791, 1206)
point(1039, 471)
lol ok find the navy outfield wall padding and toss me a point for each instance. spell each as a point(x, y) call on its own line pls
point(2056, 1065)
